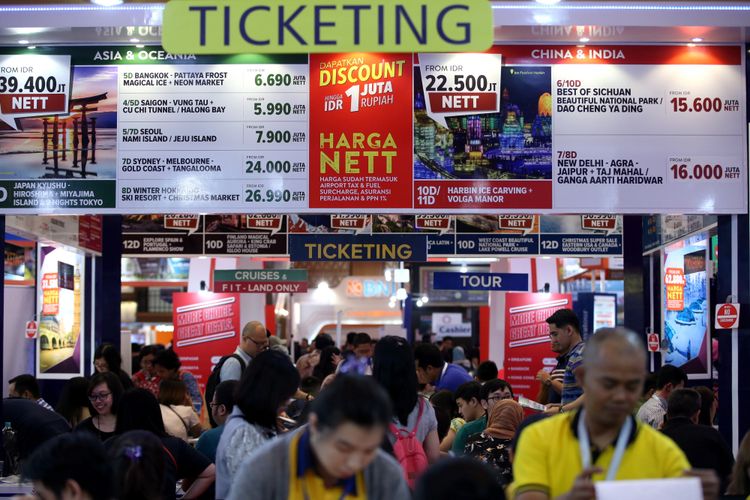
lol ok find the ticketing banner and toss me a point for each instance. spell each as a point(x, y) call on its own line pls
point(361, 131)
point(527, 345)
point(521, 129)
point(206, 327)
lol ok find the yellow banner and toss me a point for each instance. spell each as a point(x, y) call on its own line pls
point(302, 26)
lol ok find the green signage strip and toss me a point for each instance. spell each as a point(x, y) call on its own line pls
point(300, 26)
point(269, 275)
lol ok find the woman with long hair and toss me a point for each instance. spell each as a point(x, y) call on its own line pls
point(104, 394)
point(140, 411)
point(180, 420)
point(393, 368)
point(263, 393)
point(74, 401)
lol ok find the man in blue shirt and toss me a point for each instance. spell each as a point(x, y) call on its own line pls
point(432, 370)
point(221, 407)
point(565, 338)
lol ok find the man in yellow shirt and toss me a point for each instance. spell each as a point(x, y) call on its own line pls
point(561, 457)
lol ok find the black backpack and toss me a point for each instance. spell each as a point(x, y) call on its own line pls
point(215, 379)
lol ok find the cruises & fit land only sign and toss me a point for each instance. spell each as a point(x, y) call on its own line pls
point(526, 128)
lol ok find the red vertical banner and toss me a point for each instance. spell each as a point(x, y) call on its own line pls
point(361, 131)
point(527, 346)
point(206, 327)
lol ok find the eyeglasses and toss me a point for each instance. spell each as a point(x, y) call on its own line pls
point(214, 405)
point(99, 397)
point(261, 345)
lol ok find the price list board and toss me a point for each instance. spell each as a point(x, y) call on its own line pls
point(207, 138)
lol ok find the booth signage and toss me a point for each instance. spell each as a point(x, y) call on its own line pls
point(519, 128)
point(450, 325)
point(299, 26)
point(376, 247)
point(499, 282)
point(260, 281)
point(727, 316)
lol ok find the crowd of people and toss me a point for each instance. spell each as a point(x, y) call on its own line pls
point(371, 419)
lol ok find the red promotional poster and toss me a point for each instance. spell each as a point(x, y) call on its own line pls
point(206, 327)
point(527, 346)
point(360, 131)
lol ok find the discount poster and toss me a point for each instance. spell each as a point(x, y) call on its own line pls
point(60, 306)
point(686, 308)
point(206, 327)
point(527, 345)
point(361, 131)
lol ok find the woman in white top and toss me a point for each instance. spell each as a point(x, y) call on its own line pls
point(180, 420)
point(263, 392)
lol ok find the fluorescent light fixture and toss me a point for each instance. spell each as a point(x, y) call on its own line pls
point(31, 47)
point(542, 18)
point(472, 260)
point(548, 2)
point(691, 44)
point(107, 3)
point(584, 39)
point(139, 46)
point(23, 42)
point(134, 40)
point(26, 31)
point(697, 39)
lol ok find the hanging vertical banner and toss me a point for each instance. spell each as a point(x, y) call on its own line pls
point(206, 327)
point(527, 346)
point(361, 131)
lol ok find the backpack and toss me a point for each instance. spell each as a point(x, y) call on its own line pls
point(409, 451)
point(215, 379)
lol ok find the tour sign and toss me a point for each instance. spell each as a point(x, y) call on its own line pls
point(727, 316)
point(506, 282)
point(300, 26)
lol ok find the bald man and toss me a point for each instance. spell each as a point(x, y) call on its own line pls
point(561, 457)
point(254, 341)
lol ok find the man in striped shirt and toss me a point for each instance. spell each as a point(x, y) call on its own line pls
point(25, 386)
point(565, 338)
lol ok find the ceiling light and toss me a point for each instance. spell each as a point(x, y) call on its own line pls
point(542, 18)
point(425, 299)
point(134, 40)
point(107, 3)
point(401, 294)
point(691, 44)
point(584, 39)
point(697, 39)
point(139, 46)
point(323, 285)
point(420, 303)
point(23, 42)
point(31, 47)
point(464, 268)
point(548, 2)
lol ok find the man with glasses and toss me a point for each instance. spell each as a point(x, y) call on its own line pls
point(491, 392)
point(254, 341)
point(221, 406)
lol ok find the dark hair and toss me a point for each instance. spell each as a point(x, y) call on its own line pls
point(148, 350)
point(492, 386)
point(26, 382)
point(448, 338)
point(323, 340)
point(224, 394)
point(114, 385)
point(111, 355)
point(468, 391)
point(172, 392)
point(356, 399)
point(310, 385)
point(139, 465)
point(428, 355)
point(393, 368)
point(140, 411)
point(73, 398)
point(269, 381)
point(670, 374)
point(168, 359)
point(707, 402)
point(325, 365)
point(78, 456)
point(459, 479)
point(362, 338)
point(446, 410)
point(683, 403)
point(486, 371)
point(351, 337)
point(565, 317)
point(650, 383)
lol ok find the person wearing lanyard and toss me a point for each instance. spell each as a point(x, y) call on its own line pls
point(562, 457)
point(337, 456)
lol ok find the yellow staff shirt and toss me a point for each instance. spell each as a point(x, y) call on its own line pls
point(548, 456)
point(306, 484)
